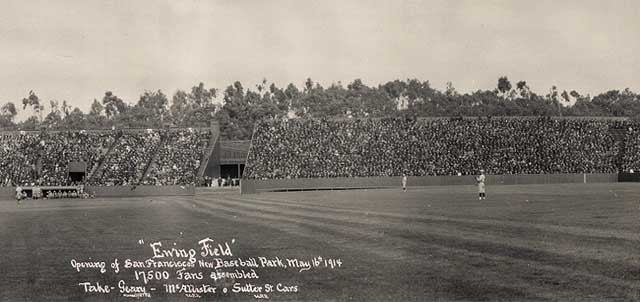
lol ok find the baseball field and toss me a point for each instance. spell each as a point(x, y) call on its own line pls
point(570, 242)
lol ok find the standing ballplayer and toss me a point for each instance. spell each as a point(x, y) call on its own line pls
point(404, 182)
point(480, 179)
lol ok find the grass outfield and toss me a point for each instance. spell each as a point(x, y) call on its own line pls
point(524, 243)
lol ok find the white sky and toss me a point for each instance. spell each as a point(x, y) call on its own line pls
point(75, 50)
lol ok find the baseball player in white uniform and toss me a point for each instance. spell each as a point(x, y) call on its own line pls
point(404, 182)
point(480, 179)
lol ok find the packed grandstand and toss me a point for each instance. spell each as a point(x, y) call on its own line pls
point(112, 158)
point(315, 148)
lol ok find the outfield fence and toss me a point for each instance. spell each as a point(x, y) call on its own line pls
point(250, 186)
point(138, 191)
point(122, 191)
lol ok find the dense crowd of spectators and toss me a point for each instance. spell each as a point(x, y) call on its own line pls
point(126, 162)
point(631, 158)
point(109, 158)
point(391, 147)
point(312, 148)
point(179, 158)
point(42, 158)
point(18, 158)
point(60, 149)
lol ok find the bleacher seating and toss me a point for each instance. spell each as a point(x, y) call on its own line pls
point(111, 157)
point(179, 158)
point(312, 148)
point(390, 147)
